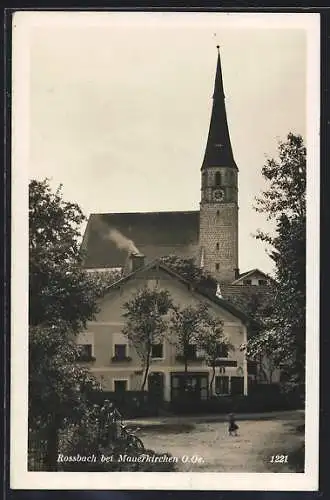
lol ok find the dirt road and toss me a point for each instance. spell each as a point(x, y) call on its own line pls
point(209, 448)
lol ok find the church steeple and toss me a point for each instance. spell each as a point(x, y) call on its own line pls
point(218, 231)
point(218, 151)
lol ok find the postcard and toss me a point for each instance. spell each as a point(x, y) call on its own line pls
point(165, 201)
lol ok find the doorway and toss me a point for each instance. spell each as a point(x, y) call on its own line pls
point(156, 386)
point(192, 387)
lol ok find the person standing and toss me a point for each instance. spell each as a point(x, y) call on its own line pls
point(233, 427)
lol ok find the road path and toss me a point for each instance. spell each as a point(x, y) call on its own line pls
point(250, 451)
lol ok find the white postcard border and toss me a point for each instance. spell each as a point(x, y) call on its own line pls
point(19, 476)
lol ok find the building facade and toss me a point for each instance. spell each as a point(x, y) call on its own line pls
point(116, 364)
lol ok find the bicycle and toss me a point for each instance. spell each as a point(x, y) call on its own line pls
point(133, 442)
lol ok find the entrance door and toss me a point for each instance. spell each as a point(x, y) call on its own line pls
point(192, 388)
point(156, 386)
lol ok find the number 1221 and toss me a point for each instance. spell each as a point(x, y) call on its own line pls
point(279, 459)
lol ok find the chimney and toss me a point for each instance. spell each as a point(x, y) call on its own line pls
point(136, 261)
point(236, 271)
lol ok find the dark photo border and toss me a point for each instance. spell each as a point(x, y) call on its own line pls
point(239, 6)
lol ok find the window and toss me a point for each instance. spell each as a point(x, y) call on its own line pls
point(222, 351)
point(120, 351)
point(120, 385)
point(85, 344)
point(191, 351)
point(217, 245)
point(217, 179)
point(153, 283)
point(262, 282)
point(85, 352)
point(218, 213)
point(157, 351)
point(247, 282)
point(217, 266)
point(221, 384)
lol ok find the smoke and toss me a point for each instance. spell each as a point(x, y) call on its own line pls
point(121, 241)
point(116, 236)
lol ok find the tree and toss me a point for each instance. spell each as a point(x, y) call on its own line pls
point(186, 325)
point(146, 323)
point(190, 271)
point(212, 341)
point(59, 288)
point(58, 386)
point(287, 181)
point(62, 298)
point(265, 350)
point(284, 203)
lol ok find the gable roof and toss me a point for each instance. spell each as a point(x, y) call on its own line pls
point(155, 234)
point(250, 273)
point(198, 289)
point(232, 292)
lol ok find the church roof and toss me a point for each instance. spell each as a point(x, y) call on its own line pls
point(218, 151)
point(110, 237)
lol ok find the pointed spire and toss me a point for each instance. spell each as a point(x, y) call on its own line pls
point(218, 151)
point(218, 84)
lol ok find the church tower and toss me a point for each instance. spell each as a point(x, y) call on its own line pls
point(218, 232)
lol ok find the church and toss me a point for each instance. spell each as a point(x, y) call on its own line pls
point(209, 235)
point(134, 244)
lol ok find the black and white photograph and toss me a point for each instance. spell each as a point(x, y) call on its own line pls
point(165, 250)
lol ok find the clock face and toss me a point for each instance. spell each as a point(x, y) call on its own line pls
point(218, 194)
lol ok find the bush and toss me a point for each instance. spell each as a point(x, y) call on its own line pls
point(96, 444)
point(131, 404)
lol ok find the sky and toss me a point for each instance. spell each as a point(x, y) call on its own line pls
point(120, 104)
